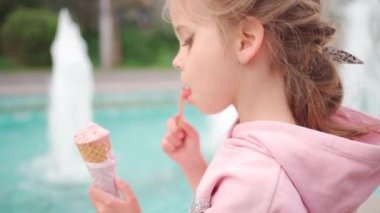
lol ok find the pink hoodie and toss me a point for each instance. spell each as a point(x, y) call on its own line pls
point(267, 166)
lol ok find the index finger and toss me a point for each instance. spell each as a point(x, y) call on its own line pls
point(172, 124)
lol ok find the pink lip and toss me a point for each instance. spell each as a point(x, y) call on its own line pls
point(186, 92)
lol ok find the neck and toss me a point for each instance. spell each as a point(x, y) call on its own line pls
point(262, 96)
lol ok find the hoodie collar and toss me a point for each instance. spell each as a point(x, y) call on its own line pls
point(328, 171)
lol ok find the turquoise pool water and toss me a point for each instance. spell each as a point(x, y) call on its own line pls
point(137, 124)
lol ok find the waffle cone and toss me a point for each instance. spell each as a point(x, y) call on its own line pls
point(96, 151)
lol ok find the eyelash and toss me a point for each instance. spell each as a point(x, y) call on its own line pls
point(188, 42)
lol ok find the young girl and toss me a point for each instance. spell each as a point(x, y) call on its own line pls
point(293, 148)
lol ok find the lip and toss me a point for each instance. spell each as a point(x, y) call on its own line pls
point(186, 93)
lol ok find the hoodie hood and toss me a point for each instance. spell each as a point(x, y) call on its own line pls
point(329, 172)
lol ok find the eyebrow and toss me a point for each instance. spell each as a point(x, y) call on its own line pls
point(180, 28)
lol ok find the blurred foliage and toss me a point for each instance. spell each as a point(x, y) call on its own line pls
point(8, 6)
point(91, 37)
point(5, 63)
point(154, 46)
point(26, 32)
point(83, 12)
point(27, 35)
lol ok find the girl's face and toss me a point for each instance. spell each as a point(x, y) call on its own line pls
point(206, 64)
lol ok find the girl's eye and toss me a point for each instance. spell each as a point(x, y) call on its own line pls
point(188, 42)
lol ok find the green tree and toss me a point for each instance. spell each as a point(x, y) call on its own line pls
point(7, 6)
point(28, 34)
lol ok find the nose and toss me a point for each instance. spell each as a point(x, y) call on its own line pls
point(177, 62)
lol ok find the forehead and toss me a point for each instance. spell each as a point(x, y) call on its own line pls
point(177, 11)
point(186, 11)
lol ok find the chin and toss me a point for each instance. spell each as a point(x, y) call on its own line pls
point(210, 110)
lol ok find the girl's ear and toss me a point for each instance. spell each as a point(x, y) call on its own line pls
point(250, 38)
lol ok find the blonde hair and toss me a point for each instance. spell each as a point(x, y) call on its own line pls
point(294, 35)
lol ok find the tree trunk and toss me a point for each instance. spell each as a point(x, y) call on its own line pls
point(110, 51)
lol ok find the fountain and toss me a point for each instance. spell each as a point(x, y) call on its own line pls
point(70, 103)
point(361, 38)
point(218, 126)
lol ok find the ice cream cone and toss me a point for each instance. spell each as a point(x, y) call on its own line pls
point(96, 151)
point(94, 145)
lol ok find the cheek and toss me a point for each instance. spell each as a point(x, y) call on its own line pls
point(197, 69)
point(210, 75)
point(217, 89)
point(204, 65)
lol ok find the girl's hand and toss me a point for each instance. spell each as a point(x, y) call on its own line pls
point(107, 203)
point(181, 144)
